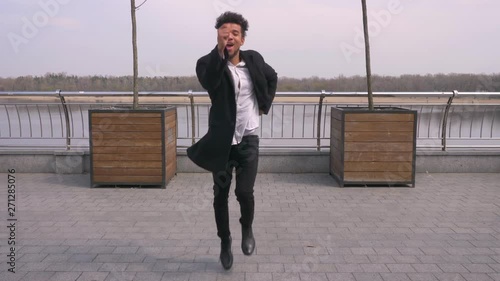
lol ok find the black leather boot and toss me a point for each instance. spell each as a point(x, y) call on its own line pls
point(226, 256)
point(247, 241)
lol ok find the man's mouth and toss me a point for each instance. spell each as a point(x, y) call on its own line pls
point(229, 46)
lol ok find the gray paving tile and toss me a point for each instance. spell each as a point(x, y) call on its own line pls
point(449, 277)
point(176, 276)
point(452, 268)
point(495, 276)
point(54, 249)
point(148, 276)
point(205, 276)
point(231, 276)
point(60, 266)
point(120, 276)
point(479, 268)
point(367, 277)
point(422, 277)
point(286, 277)
point(114, 267)
point(93, 276)
point(140, 267)
point(65, 276)
point(394, 277)
point(86, 266)
point(9, 276)
point(427, 268)
point(50, 258)
point(374, 268)
point(37, 276)
point(32, 257)
point(400, 268)
point(271, 267)
point(255, 276)
point(306, 227)
point(476, 277)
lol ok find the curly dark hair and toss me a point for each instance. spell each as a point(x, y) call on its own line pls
point(231, 17)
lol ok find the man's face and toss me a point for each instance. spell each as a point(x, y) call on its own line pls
point(235, 38)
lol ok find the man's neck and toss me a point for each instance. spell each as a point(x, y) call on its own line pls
point(235, 59)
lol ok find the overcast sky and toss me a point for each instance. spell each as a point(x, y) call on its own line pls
point(299, 38)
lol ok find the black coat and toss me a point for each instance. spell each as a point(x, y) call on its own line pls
point(211, 152)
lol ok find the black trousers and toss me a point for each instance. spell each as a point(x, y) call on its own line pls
point(244, 159)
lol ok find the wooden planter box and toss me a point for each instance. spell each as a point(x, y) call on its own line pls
point(373, 147)
point(133, 147)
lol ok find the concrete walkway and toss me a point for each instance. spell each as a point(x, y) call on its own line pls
point(306, 228)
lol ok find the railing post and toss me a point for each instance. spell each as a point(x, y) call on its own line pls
point(193, 117)
point(445, 120)
point(320, 109)
point(66, 117)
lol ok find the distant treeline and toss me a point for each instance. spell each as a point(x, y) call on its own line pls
point(403, 83)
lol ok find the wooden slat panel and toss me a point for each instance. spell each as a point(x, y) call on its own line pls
point(129, 150)
point(378, 126)
point(337, 125)
point(373, 117)
point(125, 121)
point(170, 135)
point(336, 114)
point(170, 170)
point(336, 133)
point(170, 118)
point(127, 164)
point(171, 125)
point(379, 136)
point(127, 172)
point(378, 146)
point(336, 152)
point(336, 164)
point(127, 157)
point(171, 155)
point(127, 128)
point(377, 166)
point(132, 143)
point(335, 143)
point(123, 115)
point(128, 179)
point(378, 176)
point(126, 135)
point(378, 156)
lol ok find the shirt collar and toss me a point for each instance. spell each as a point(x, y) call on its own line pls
point(241, 63)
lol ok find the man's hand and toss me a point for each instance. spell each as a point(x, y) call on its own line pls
point(222, 37)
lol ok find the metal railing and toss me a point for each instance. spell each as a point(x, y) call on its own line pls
point(59, 119)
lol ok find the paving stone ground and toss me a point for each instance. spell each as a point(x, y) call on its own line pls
point(306, 228)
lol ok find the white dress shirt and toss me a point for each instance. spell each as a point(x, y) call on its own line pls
point(247, 109)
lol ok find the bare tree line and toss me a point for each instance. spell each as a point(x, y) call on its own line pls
point(403, 83)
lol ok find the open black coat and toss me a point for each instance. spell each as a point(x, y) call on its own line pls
point(211, 152)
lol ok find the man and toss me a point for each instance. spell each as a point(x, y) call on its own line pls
point(241, 87)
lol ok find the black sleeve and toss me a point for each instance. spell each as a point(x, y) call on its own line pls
point(210, 70)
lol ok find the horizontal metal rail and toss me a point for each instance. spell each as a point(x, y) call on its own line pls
point(296, 120)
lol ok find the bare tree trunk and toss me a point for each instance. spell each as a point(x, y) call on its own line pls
point(134, 49)
point(367, 54)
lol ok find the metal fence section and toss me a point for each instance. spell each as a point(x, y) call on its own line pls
point(59, 120)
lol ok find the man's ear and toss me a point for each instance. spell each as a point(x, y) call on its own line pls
point(242, 41)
